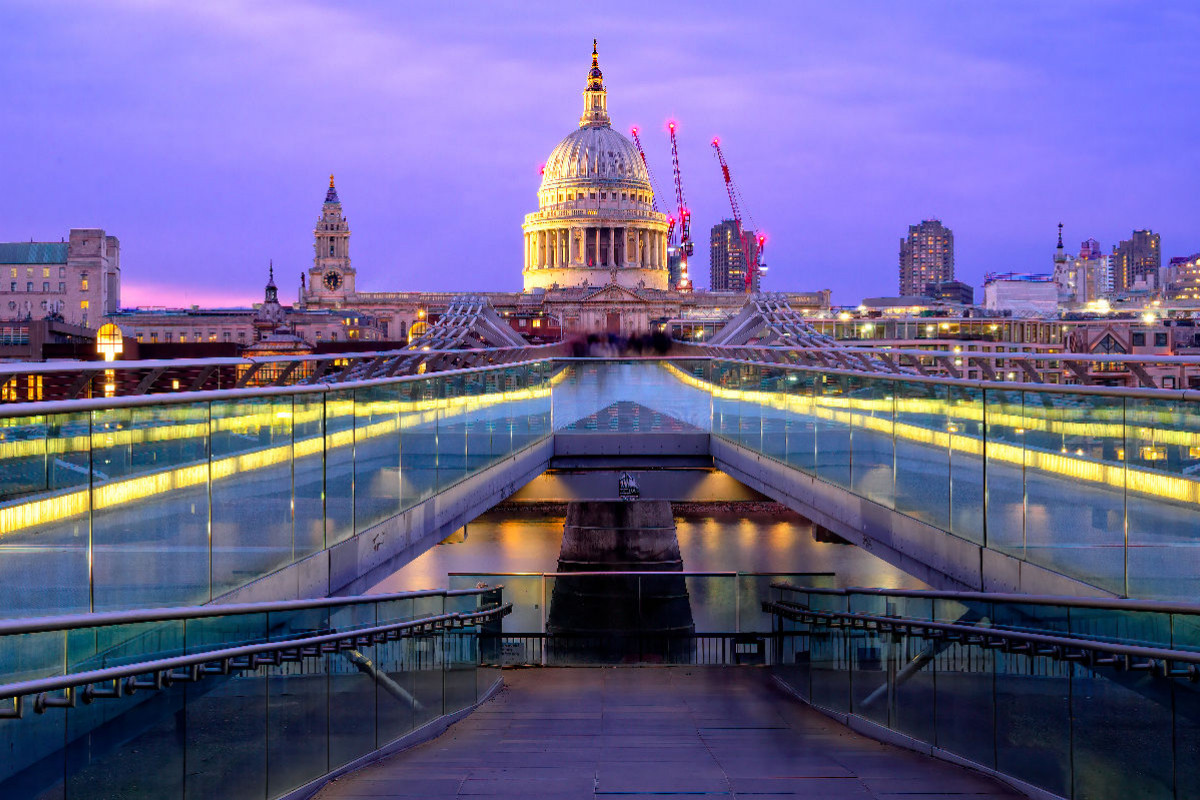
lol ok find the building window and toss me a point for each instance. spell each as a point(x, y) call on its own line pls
point(154, 337)
point(83, 284)
point(14, 285)
point(62, 272)
point(1139, 339)
point(29, 286)
point(167, 336)
point(83, 305)
point(45, 272)
point(45, 286)
point(1160, 340)
point(228, 337)
point(62, 287)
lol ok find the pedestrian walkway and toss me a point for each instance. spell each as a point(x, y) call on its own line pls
point(656, 733)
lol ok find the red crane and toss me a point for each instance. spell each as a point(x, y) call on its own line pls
point(685, 217)
point(753, 256)
point(637, 141)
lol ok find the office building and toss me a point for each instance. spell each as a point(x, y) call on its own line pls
point(727, 261)
point(926, 256)
point(1136, 262)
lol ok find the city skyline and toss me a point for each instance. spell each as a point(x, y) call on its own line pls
point(206, 173)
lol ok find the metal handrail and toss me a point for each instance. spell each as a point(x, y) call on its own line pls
point(42, 407)
point(220, 662)
point(75, 621)
point(74, 365)
point(649, 573)
point(1066, 601)
point(1039, 644)
point(1059, 388)
point(1010, 355)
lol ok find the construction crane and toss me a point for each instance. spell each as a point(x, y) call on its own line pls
point(637, 141)
point(685, 217)
point(754, 264)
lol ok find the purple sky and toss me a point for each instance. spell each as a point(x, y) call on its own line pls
point(202, 133)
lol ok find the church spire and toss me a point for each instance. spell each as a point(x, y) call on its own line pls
point(331, 196)
point(271, 295)
point(595, 98)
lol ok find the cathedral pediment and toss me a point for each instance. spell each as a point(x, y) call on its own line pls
point(612, 294)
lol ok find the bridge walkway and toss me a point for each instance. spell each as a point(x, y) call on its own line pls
point(656, 733)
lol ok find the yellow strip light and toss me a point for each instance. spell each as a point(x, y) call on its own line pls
point(402, 415)
point(1135, 479)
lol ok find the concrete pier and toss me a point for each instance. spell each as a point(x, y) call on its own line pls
point(598, 618)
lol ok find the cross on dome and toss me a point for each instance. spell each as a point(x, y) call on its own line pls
point(595, 98)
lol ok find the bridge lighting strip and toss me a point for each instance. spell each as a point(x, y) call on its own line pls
point(1120, 476)
point(405, 415)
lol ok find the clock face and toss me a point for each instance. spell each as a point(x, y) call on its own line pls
point(332, 281)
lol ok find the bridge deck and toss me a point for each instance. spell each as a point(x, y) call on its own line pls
point(655, 732)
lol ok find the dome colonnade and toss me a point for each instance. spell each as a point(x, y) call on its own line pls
point(595, 222)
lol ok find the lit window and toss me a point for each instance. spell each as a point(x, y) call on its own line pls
point(83, 284)
point(45, 272)
point(83, 305)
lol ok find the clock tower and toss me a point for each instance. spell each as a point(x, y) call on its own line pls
point(331, 278)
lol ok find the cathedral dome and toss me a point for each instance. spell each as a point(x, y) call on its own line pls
point(596, 223)
point(594, 152)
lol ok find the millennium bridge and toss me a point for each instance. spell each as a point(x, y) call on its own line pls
point(184, 547)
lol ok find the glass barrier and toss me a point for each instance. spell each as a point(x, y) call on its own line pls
point(172, 504)
point(1101, 488)
point(181, 503)
point(1074, 730)
point(254, 733)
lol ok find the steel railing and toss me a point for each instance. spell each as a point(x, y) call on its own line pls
point(161, 673)
point(1164, 662)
